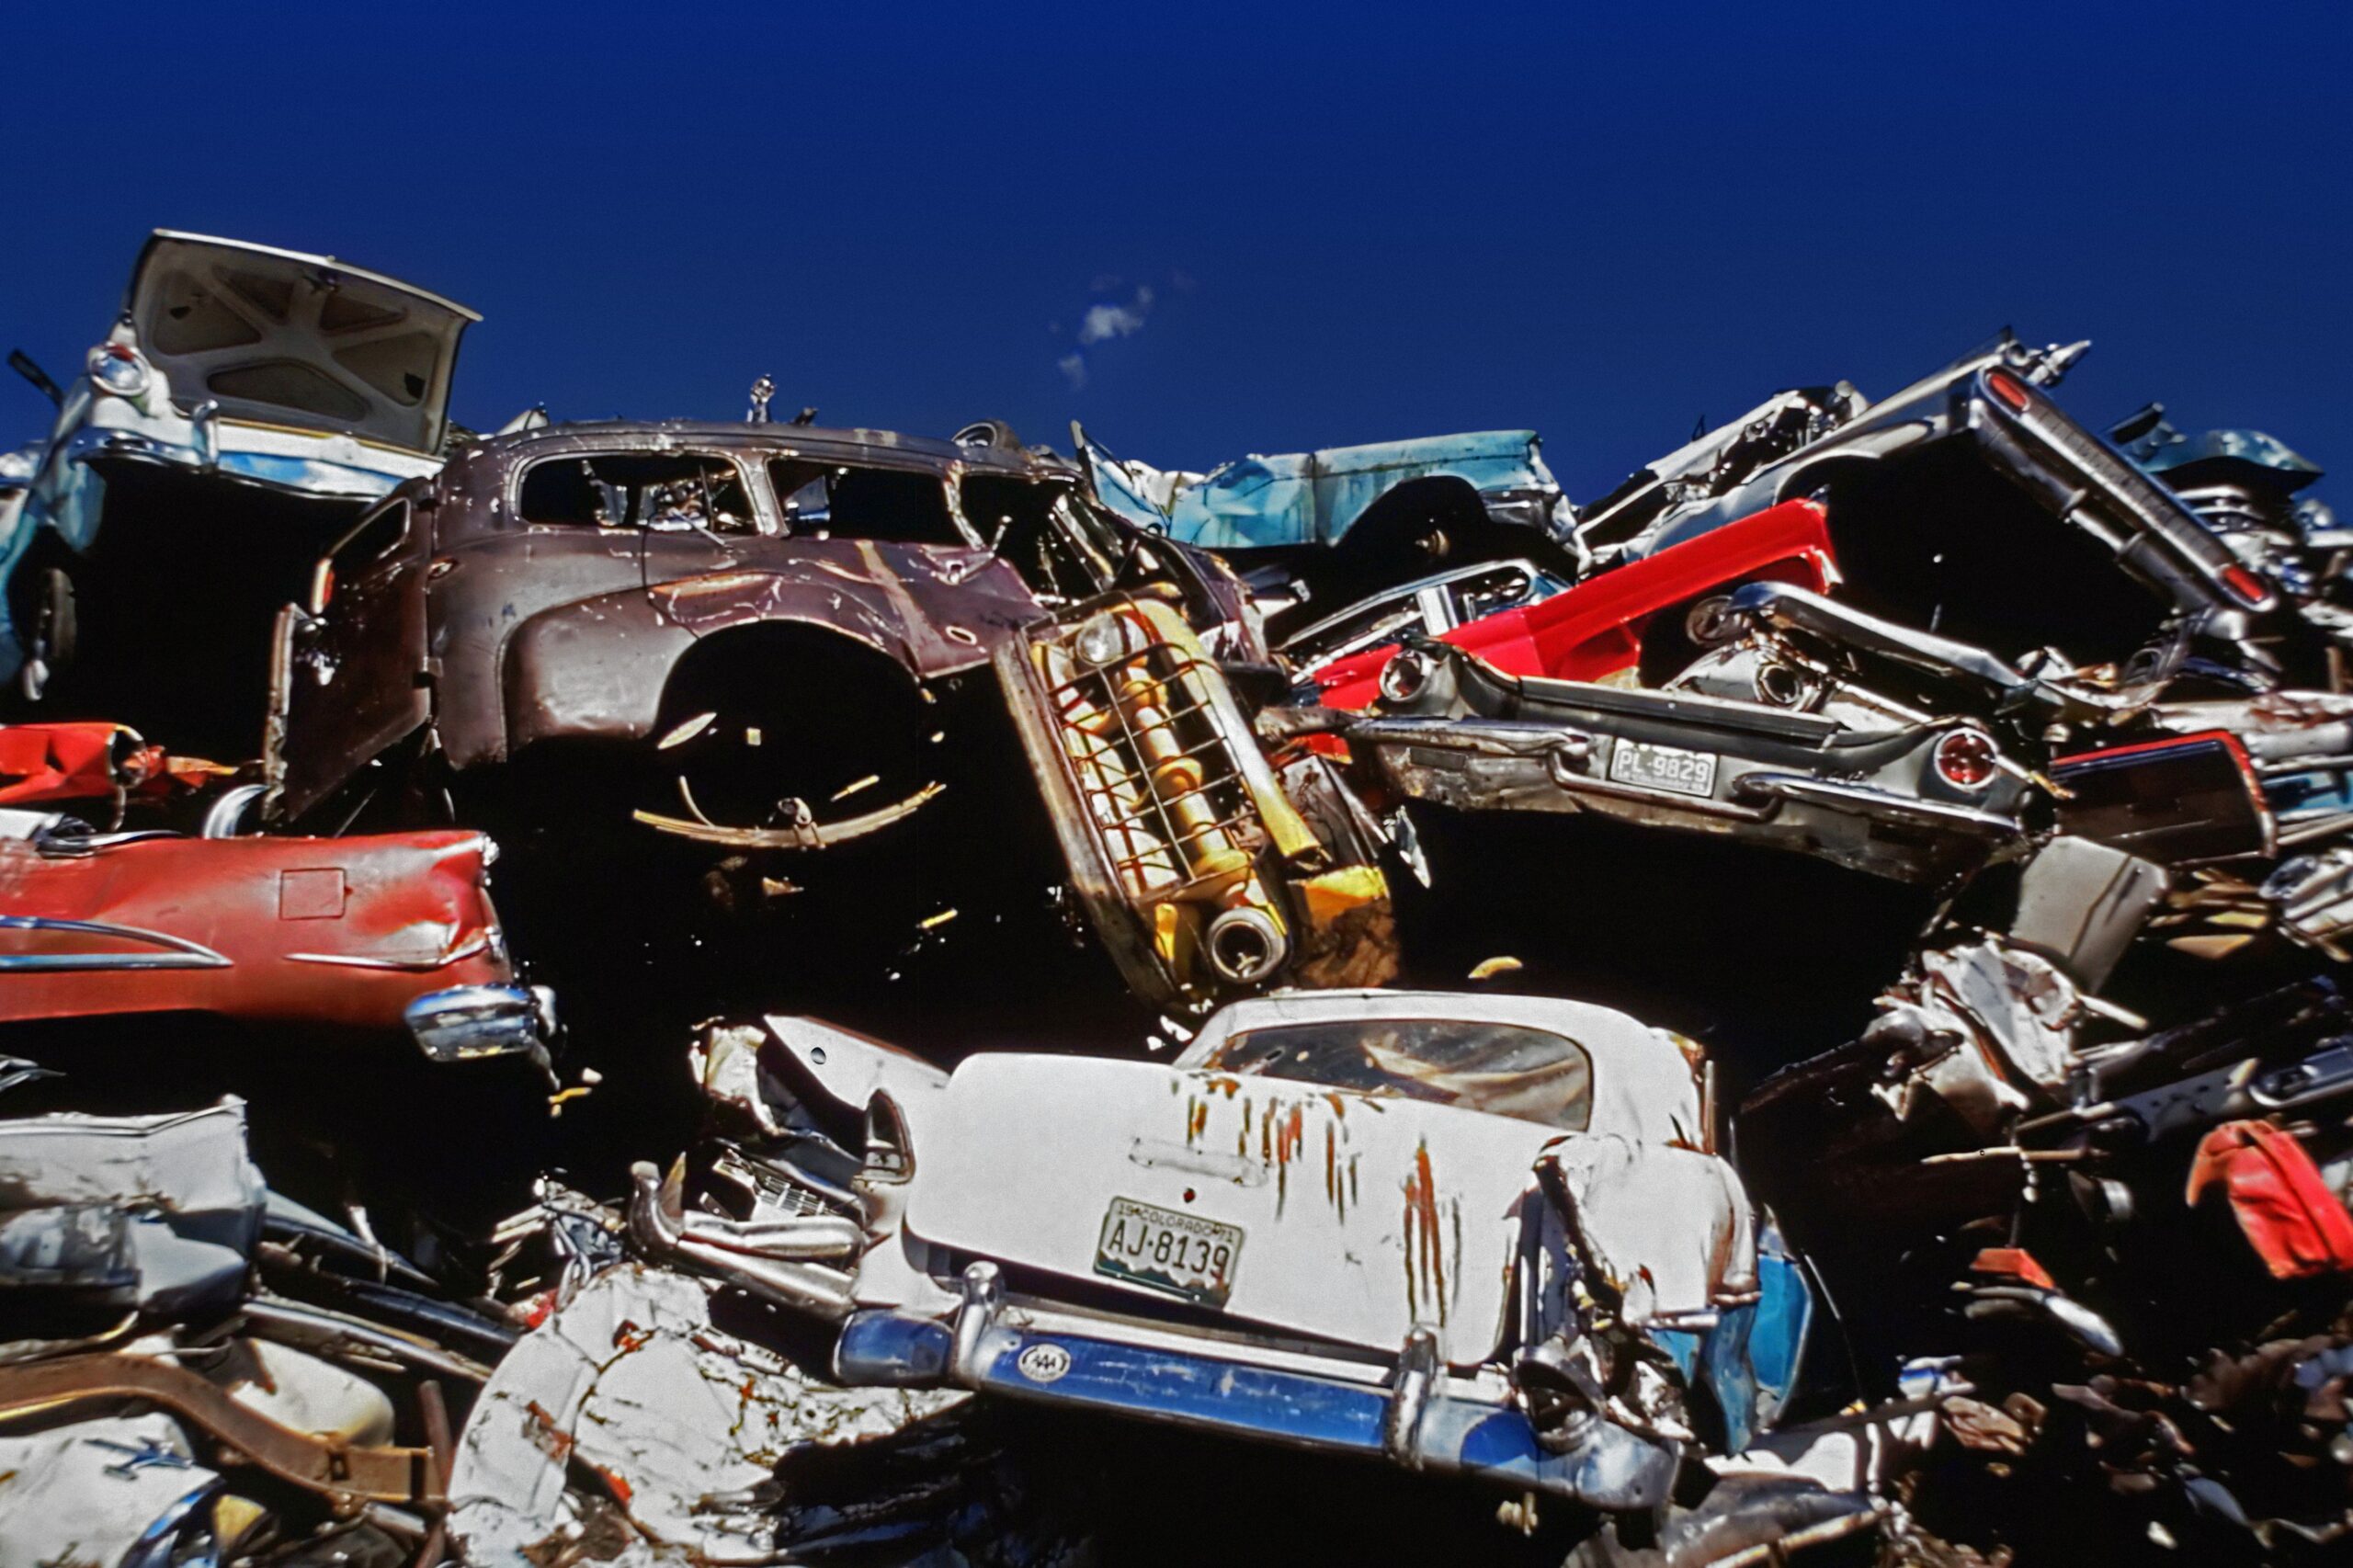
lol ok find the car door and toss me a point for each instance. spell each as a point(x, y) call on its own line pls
point(350, 674)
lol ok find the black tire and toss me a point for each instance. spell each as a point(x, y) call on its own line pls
point(52, 632)
point(993, 433)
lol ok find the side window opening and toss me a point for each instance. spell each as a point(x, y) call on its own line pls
point(822, 500)
point(375, 539)
point(665, 492)
point(1490, 592)
point(1034, 526)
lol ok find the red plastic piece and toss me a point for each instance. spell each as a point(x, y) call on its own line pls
point(1595, 628)
point(2012, 1263)
point(2296, 1224)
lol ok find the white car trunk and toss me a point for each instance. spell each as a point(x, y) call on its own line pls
point(1300, 1208)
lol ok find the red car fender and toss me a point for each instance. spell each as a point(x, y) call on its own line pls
point(1595, 628)
point(342, 932)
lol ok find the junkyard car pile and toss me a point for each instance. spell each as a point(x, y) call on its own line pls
point(1795, 1007)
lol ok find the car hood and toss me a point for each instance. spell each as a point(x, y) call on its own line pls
point(286, 338)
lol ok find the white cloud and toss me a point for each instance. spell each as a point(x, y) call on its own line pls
point(1103, 323)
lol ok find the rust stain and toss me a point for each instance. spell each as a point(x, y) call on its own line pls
point(1331, 1167)
point(1424, 1257)
point(551, 1438)
point(1196, 1121)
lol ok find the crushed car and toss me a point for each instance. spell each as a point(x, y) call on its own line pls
point(1327, 526)
point(1478, 1237)
point(384, 934)
point(1636, 626)
point(1940, 493)
point(770, 640)
point(245, 404)
point(196, 1368)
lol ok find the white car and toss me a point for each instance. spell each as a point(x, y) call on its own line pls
point(1484, 1236)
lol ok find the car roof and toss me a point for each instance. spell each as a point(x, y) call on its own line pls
point(781, 439)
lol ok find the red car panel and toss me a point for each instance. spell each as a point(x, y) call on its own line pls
point(1595, 628)
point(315, 931)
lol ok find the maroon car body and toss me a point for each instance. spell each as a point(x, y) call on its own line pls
point(550, 584)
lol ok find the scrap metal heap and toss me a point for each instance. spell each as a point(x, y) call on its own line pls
point(1895, 1106)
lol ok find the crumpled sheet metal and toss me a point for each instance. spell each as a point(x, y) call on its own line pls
point(92, 1492)
point(2010, 1015)
point(192, 1200)
point(2312, 897)
point(684, 1422)
point(1310, 498)
point(1635, 1204)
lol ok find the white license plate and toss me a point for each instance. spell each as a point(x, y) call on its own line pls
point(1181, 1254)
point(1663, 767)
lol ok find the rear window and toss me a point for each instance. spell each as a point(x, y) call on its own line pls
point(822, 500)
point(1502, 1069)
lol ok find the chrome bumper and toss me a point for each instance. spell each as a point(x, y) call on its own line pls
point(1416, 1419)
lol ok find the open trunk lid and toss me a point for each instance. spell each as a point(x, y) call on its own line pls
point(285, 338)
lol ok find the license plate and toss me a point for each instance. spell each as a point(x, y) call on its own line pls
point(1663, 767)
point(1181, 1254)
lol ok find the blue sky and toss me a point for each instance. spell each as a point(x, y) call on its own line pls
point(1353, 224)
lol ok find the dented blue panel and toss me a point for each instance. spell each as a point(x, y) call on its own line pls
point(1313, 499)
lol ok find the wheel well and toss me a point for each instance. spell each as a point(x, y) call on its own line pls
point(805, 653)
point(1441, 499)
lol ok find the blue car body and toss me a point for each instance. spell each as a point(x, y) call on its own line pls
point(1315, 498)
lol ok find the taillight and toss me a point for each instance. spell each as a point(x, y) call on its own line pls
point(2009, 389)
point(1966, 758)
point(2245, 586)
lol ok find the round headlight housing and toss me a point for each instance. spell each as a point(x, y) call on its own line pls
point(1405, 675)
point(1103, 640)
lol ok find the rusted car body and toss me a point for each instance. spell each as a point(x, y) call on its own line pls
point(373, 934)
point(787, 630)
point(546, 585)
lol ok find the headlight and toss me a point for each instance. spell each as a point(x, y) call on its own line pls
point(118, 370)
point(1403, 678)
point(1103, 640)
